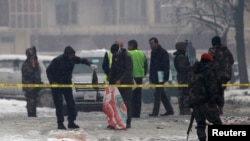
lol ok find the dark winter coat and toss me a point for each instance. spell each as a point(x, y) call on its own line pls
point(121, 68)
point(60, 69)
point(159, 61)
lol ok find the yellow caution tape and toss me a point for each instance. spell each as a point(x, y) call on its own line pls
point(12, 85)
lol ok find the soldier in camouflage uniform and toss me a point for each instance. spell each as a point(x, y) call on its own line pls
point(182, 66)
point(204, 89)
point(31, 74)
point(223, 61)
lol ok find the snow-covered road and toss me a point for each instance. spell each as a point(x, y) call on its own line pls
point(16, 126)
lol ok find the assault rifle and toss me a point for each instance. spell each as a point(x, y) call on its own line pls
point(190, 124)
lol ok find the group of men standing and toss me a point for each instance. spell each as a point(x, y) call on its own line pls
point(129, 66)
point(215, 66)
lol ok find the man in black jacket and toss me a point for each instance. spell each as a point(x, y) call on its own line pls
point(60, 72)
point(121, 72)
point(159, 65)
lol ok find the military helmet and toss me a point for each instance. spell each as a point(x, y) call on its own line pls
point(181, 46)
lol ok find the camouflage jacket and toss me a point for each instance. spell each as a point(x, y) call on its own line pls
point(223, 61)
point(182, 66)
point(30, 75)
point(204, 86)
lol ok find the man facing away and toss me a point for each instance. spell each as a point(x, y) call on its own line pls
point(223, 61)
point(204, 89)
point(60, 72)
point(140, 67)
point(159, 69)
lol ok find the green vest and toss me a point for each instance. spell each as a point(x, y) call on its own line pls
point(110, 63)
point(138, 59)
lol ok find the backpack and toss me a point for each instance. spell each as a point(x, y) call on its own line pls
point(197, 88)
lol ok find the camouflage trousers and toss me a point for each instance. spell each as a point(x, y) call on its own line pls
point(183, 101)
point(31, 99)
point(221, 101)
point(203, 112)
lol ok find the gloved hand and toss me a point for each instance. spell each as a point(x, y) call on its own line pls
point(93, 66)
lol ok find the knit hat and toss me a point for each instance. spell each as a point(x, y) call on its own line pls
point(207, 57)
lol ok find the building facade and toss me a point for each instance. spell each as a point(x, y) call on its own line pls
point(85, 24)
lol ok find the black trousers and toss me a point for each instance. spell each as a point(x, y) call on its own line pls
point(136, 99)
point(58, 94)
point(126, 94)
point(160, 96)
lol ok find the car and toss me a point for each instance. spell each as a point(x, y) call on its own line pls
point(88, 98)
point(10, 73)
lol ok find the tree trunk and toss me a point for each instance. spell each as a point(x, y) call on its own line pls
point(240, 44)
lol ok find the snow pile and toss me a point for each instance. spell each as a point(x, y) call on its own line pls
point(238, 96)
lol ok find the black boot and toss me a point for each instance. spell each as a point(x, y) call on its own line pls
point(128, 123)
point(32, 113)
point(61, 126)
point(202, 139)
point(72, 125)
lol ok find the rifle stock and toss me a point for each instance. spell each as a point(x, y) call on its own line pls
point(190, 124)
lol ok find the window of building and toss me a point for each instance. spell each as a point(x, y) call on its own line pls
point(109, 11)
point(132, 11)
point(25, 13)
point(66, 12)
point(165, 13)
point(4, 13)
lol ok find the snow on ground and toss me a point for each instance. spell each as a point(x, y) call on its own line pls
point(16, 126)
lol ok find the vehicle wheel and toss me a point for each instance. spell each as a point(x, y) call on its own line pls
point(45, 99)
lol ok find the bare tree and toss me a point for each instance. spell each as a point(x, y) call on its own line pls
point(219, 16)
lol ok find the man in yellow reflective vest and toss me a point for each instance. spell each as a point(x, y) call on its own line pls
point(106, 65)
point(107, 60)
point(140, 67)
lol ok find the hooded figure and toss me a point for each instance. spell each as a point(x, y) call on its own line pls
point(60, 72)
point(69, 51)
point(31, 74)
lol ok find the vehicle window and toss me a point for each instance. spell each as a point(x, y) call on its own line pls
point(6, 64)
point(18, 65)
point(82, 68)
point(46, 63)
